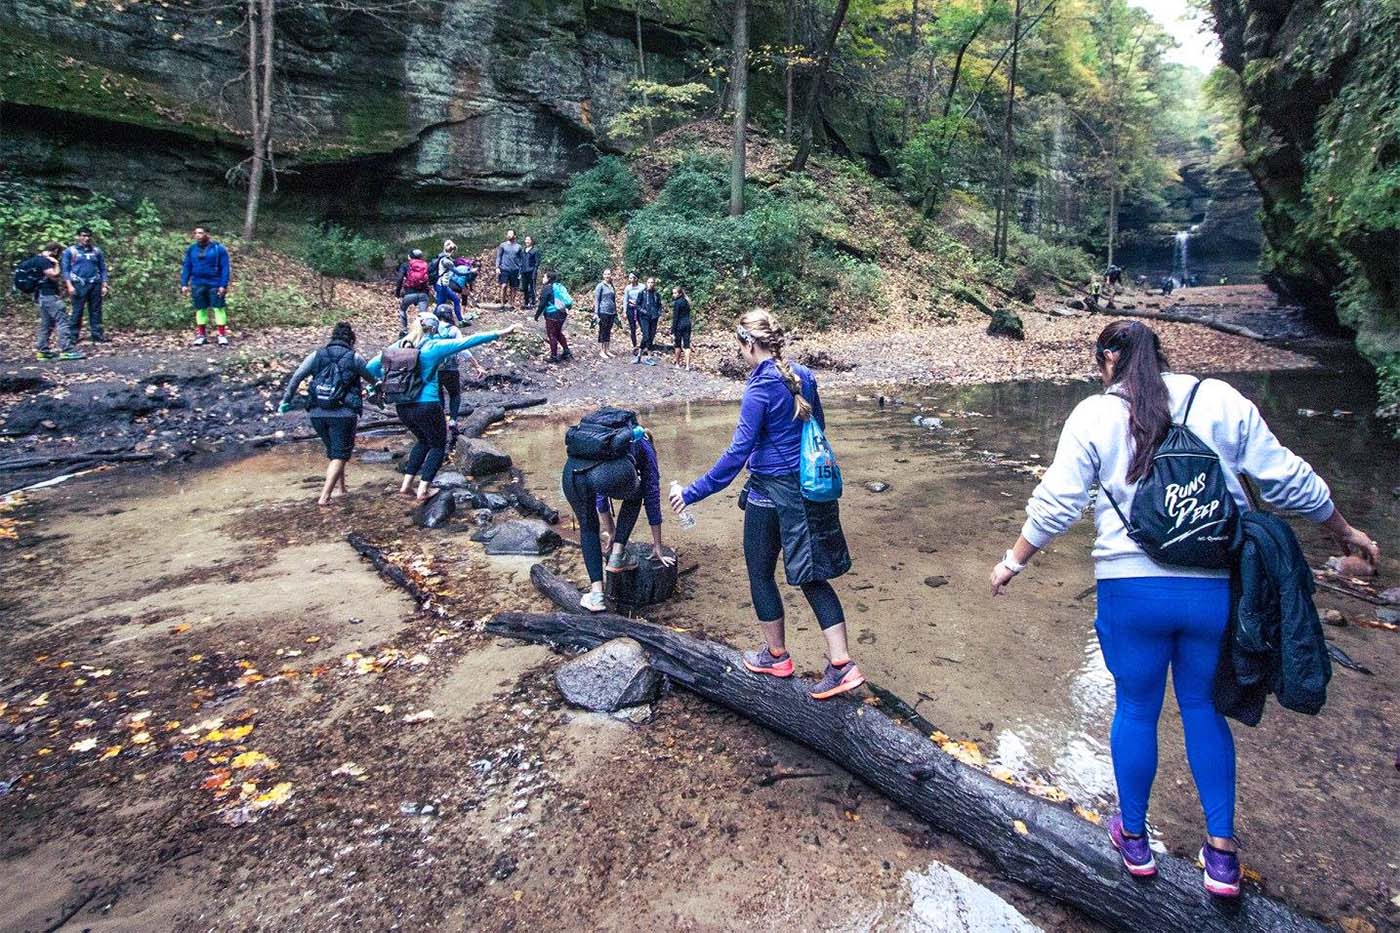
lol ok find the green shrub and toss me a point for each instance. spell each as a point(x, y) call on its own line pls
point(606, 193)
point(576, 252)
point(1388, 379)
point(334, 251)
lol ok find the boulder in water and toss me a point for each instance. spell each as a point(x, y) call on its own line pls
point(374, 456)
point(527, 536)
point(449, 479)
point(1006, 323)
point(436, 512)
point(482, 517)
point(480, 458)
point(1076, 304)
point(876, 485)
point(614, 675)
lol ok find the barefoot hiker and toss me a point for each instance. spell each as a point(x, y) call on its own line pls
point(408, 375)
point(39, 276)
point(1154, 615)
point(778, 398)
point(334, 402)
point(610, 457)
point(204, 277)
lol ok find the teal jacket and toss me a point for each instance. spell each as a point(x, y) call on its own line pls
point(431, 353)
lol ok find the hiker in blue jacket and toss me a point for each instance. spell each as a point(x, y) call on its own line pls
point(204, 277)
point(778, 398)
point(85, 274)
point(424, 415)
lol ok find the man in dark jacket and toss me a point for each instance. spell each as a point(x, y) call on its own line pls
point(1274, 641)
point(529, 269)
point(204, 277)
point(85, 275)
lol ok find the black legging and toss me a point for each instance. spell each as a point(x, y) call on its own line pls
point(605, 326)
point(429, 426)
point(450, 384)
point(648, 332)
point(632, 316)
point(763, 543)
point(583, 481)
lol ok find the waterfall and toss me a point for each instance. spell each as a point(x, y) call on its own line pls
point(1180, 256)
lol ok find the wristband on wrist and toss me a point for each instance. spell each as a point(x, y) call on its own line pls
point(1010, 563)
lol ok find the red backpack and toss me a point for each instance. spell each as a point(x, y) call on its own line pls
point(416, 279)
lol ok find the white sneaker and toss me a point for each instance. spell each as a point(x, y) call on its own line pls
point(593, 602)
point(223, 340)
point(200, 340)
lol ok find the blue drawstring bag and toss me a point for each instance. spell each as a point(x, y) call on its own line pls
point(821, 477)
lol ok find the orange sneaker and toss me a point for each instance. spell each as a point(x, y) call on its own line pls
point(837, 680)
point(764, 661)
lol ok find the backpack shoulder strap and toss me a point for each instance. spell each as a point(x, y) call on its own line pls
point(1191, 400)
point(1114, 502)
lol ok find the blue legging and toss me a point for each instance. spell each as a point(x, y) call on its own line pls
point(1146, 624)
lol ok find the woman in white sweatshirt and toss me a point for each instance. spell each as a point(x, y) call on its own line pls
point(1153, 616)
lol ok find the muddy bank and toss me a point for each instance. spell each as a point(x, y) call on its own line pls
point(281, 741)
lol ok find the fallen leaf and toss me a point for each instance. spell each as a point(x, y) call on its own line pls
point(111, 752)
point(196, 658)
point(312, 639)
point(1091, 815)
point(278, 794)
point(251, 760)
point(83, 723)
point(228, 735)
point(423, 715)
point(349, 769)
point(1020, 827)
point(189, 756)
point(217, 780)
point(86, 745)
point(141, 738)
point(180, 629)
point(40, 700)
point(385, 708)
point(44, 752)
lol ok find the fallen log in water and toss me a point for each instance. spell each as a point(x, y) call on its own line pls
point(90, 458)
point(481, 419)
point(531, 504)
point(1235, 330)
point(1040, 844)
point(559, 591)
point(519, 403)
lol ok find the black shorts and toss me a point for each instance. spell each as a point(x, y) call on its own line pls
point(680, 338)
point(510, 279)
point(605, 326)
point(337, 433)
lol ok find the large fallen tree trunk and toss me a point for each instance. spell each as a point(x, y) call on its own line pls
point(1038, 843)
point(559, 591)
point(480, 420)
point(1235, 330)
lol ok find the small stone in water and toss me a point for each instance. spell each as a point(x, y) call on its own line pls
point(935, 581)
point(877, 486)
point(1334, 617)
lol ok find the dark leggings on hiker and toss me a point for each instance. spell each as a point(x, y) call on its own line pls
point(428, 425)
point(763, 543)
point(582, 484)
point(605, 326)
point(450, 385)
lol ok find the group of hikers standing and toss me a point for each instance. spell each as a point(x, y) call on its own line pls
point(78, 273)
point(641, 305)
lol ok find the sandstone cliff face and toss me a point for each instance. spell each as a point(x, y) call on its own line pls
point(472, 102)
point(1321, 132)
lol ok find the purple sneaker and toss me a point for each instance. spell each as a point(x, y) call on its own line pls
point(1222, 871)
point(1137, 854)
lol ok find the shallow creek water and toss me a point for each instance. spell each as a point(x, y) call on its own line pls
point(1023, 675)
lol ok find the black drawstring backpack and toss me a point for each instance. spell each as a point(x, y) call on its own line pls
point(1183, 513)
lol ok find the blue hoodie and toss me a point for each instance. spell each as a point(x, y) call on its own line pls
point(205, 265)
point(431, 354)
point(768, 438)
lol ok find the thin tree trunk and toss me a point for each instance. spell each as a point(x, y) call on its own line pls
point(1008, 143)
point(260, 71)
point(740, 83)
point(909, 95)
point(642, 72)
point(788, 77)
point(814, 91)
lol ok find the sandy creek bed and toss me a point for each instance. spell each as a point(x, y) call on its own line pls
point(178, 584)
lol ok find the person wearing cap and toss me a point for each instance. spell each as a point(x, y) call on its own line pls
point(84, 273)
point(442, 268)
point(508, 261)
point(424, 416)
point(411, 288)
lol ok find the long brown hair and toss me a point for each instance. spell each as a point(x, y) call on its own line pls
point(1138, 374)
point(763, 329)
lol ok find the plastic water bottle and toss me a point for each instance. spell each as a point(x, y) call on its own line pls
point(685, 520)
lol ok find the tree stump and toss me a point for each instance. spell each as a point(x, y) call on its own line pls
point(650, 583)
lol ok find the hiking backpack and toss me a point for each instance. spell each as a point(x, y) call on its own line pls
point(28, 278)
point(459, 277)
point(606, 434)
point(1183, 512)
point(334, 379)
point(400, 382)
point(416, 278)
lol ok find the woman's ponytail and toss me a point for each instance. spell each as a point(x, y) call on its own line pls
point(763, 330)
point(1138, 372)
